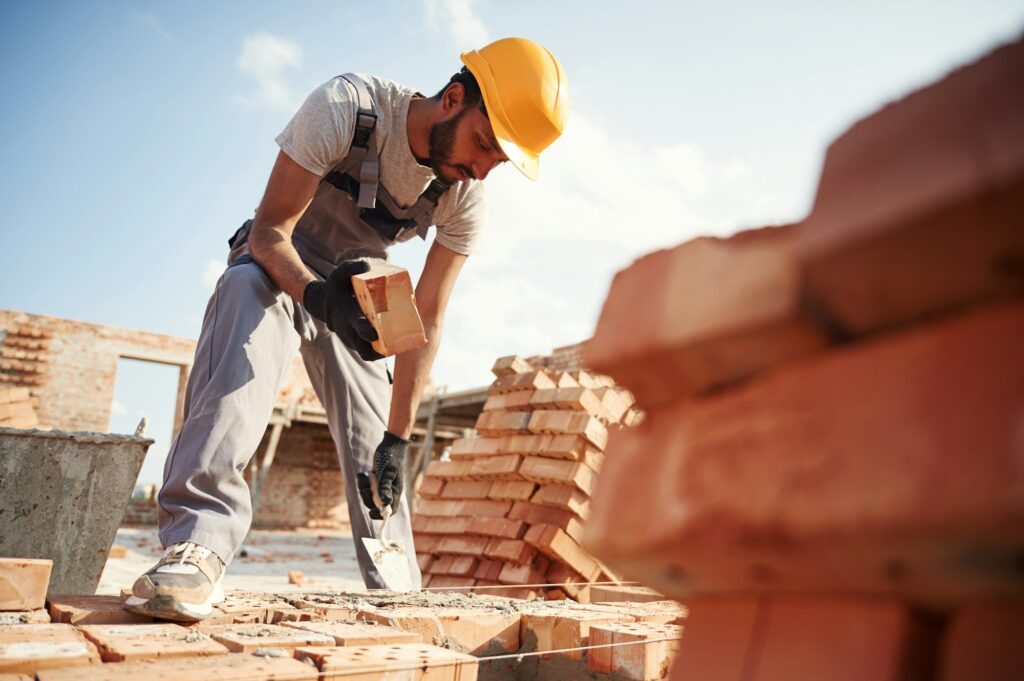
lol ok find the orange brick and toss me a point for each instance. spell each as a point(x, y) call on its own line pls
point(431, 488)
point(556, 544)
point(451, 582)
point(23, 583)
point(927, 409)
point(610, 593)
point(439, 507)
point(561, 628)
point(520, 574)
point(247, 667)
point(466, 489)
point(487, 570)
point(448, 470)
point(629, 659)
point(515, 490)
point(497, 423)
point(472, 447)
point(447, 525)
point(569, 423)
point(533, 514)
point(245, 638)
point(358, 633)
point(28, 648)
point(563, 497)
point(510, 550)
point(520, 400)
point(441, 565)
point(92, 610)
point(413, 662)
point(510, 366)
point(984, 642)
point(425, 543)
point(385, 295)
point(909, 218)
point(533, 380)
point(498, 527)
point(463, 566)
point(424, 560)
point(462, 545)
point(615, 402)
point(130, 642)
point(559, 471)
point(695, 336)
point(490, 468)
point(481, 507)
point(475, 631)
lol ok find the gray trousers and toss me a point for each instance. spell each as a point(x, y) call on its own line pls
point(250, 334)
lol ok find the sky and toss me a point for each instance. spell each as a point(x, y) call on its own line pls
point(139, 135)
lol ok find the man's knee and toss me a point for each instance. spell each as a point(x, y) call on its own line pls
point(247, 278)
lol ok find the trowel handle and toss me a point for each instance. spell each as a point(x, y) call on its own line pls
point(385, 511)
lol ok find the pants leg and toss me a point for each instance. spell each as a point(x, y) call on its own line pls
point(250, 333)
point(357, 396)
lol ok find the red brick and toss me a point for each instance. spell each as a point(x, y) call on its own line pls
point(569, 423)
point(609, 593)
point(441, 565)
point(247, 667)
point(462, 545)
point(510, 550)
point(573, 473)
point(447, 525)
point(431, 488)
point(448, 470)
point(23, 583)
point(466, 489)
point(695, 336)
point(925, 419)
point(561, 628)
point(385, 295)
point(131, 642)
point(439, 507)
point(984, 642)
point(425, 543)
point(92, 610)
point(451, 582)
point(488, 570)
point(358, 633)
point(563, 497)
point(416, 662)
point(472, 447)
point(520, 574)
point(475, 631)
point(424, 560)
point(556, 544)
point(489, 507)
point(28, 648)
point(629, 659)
point(534, 380)
point(534, 514)
point(554, 446)
point(245, 638)
point(498, 527)
point(920, 205)
point(717, 640)
point(510, 366)
point(463, 566)
point(515, 490)
point(490, 468)
point(520, 400)
point(498, 423)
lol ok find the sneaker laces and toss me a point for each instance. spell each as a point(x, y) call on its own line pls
point(189, 552)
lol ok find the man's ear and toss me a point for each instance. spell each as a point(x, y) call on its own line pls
point(453, 97)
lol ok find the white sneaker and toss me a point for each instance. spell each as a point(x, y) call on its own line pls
point(184, 585)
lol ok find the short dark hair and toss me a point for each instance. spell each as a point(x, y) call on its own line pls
point(473, 95)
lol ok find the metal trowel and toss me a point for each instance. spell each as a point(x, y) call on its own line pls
point(389, 557)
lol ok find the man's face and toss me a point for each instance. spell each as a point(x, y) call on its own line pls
point(463, 146)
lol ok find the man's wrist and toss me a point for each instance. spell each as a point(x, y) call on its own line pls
point(314, 299)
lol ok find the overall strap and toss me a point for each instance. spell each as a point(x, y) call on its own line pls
point(364, 143)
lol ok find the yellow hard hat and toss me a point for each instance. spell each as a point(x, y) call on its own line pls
point(526, 96)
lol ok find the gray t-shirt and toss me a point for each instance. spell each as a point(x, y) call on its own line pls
point(320, 133)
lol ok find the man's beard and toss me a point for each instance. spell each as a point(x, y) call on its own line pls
point(441, 141)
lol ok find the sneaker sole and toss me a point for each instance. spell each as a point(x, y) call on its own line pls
point(170, 608)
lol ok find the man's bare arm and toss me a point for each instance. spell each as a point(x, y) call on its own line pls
point(289, 191)
point(412, 368)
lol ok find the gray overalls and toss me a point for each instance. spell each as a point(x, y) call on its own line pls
point(250, 333)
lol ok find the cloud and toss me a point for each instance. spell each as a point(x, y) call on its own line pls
point(457, 21)
point(267, 58)
point(150, 21)
point(214, 268)
point(118, 408)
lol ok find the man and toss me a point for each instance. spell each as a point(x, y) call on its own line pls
point(365, 163)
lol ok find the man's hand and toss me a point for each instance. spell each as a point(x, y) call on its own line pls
point(387, 467)
point(334, 303)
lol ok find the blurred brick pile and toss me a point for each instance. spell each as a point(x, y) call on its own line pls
point(507, 509)
point(16, 409)
point(834, 437)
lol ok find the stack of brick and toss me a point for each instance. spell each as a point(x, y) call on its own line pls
point(24, 355)
point(833, 441)
point(507, 508)
point(16, 409)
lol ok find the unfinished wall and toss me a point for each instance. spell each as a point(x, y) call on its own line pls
point(69, 366)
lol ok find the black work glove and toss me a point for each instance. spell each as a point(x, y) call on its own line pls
point(334, 303)
point(387, 467)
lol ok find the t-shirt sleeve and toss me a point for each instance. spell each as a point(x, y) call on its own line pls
point(461, 230)
point(320, 132)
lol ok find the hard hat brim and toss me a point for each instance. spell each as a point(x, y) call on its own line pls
point(525, 161)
